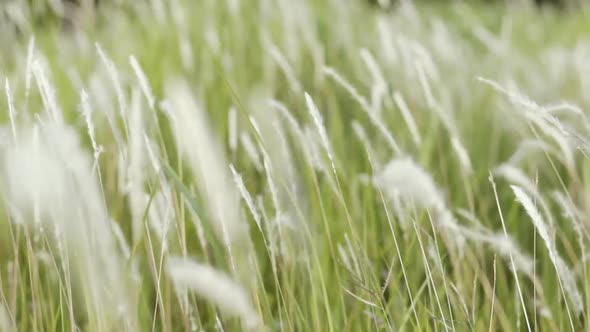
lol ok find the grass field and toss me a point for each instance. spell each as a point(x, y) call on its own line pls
point(278, 165)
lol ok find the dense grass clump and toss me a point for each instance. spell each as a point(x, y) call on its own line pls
point(298, 166)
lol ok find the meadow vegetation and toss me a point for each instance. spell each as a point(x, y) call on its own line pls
point(289, 165)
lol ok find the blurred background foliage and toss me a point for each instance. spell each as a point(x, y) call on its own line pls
point(25, 15)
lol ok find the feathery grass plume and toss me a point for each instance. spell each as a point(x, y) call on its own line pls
point(566, 277)
point(512, 263)
point(251, 151)
point(444, 116)
point(528, 146)
point(565, 108)
point(47, 91)
point(572, 213)
point(116, 81)
point(134, 159)
point(462, 155)
point(286, 168)
point(504, 245)
point(442, 113)
point(293, 126)
point(558, 134)
point(422, 57)
point(539, 116)
point(388, 51)
point(575, 217)
point(408, 118)
point(430, 100)
point(11, 110)
point(143, 82)
point(518, 177)
point(87, 114)
point(361, 133)
point(197, 143)
point(161, 213)
point(278, 57)
point(282, 175)
point(46, 172)
point(275, 229)
point(514, 96)
point(102, 95)
point(403, 176)
point(373, 116)
point(215, 287)
point(29, 66)
point(312, 146)
point(120, 237)
point(404, 179)
point(246, 196)
point(312, 150)
point(379, 86)
point(319, 124)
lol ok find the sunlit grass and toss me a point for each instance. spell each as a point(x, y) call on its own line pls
point(297, 166)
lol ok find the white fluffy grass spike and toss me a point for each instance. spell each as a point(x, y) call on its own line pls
point(114, 76)
point(408, 118)
point(143, 81)
point(571, 212)
point(198, 144)
point(360, 132)
point(502, 244)
point(251, 151)
point(430, 100)
point(518, 177)
point(286, 169)
point(565, 107)
point(403, 176)
point(246, 196)
point(552, 128)
point(278, 57)
point(161, 213)
point(543, 119)
point(527, 147)
point(404, 179)
point(332, 73)
point(57, 173)
point(284, 112)
point(462, 155)
point(120, 236)
point(11, 110)
point(512, 260)
point(565, 275)
point(379, 87)
point(514, 97)
point(373, 117)
point(215, 287)
point(282, 178)
point(136, 164)
point(47, 92)
point(29, 66)
point(87, 113)
point(319, 124)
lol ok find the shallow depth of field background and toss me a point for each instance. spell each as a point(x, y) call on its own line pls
point(275, 165)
